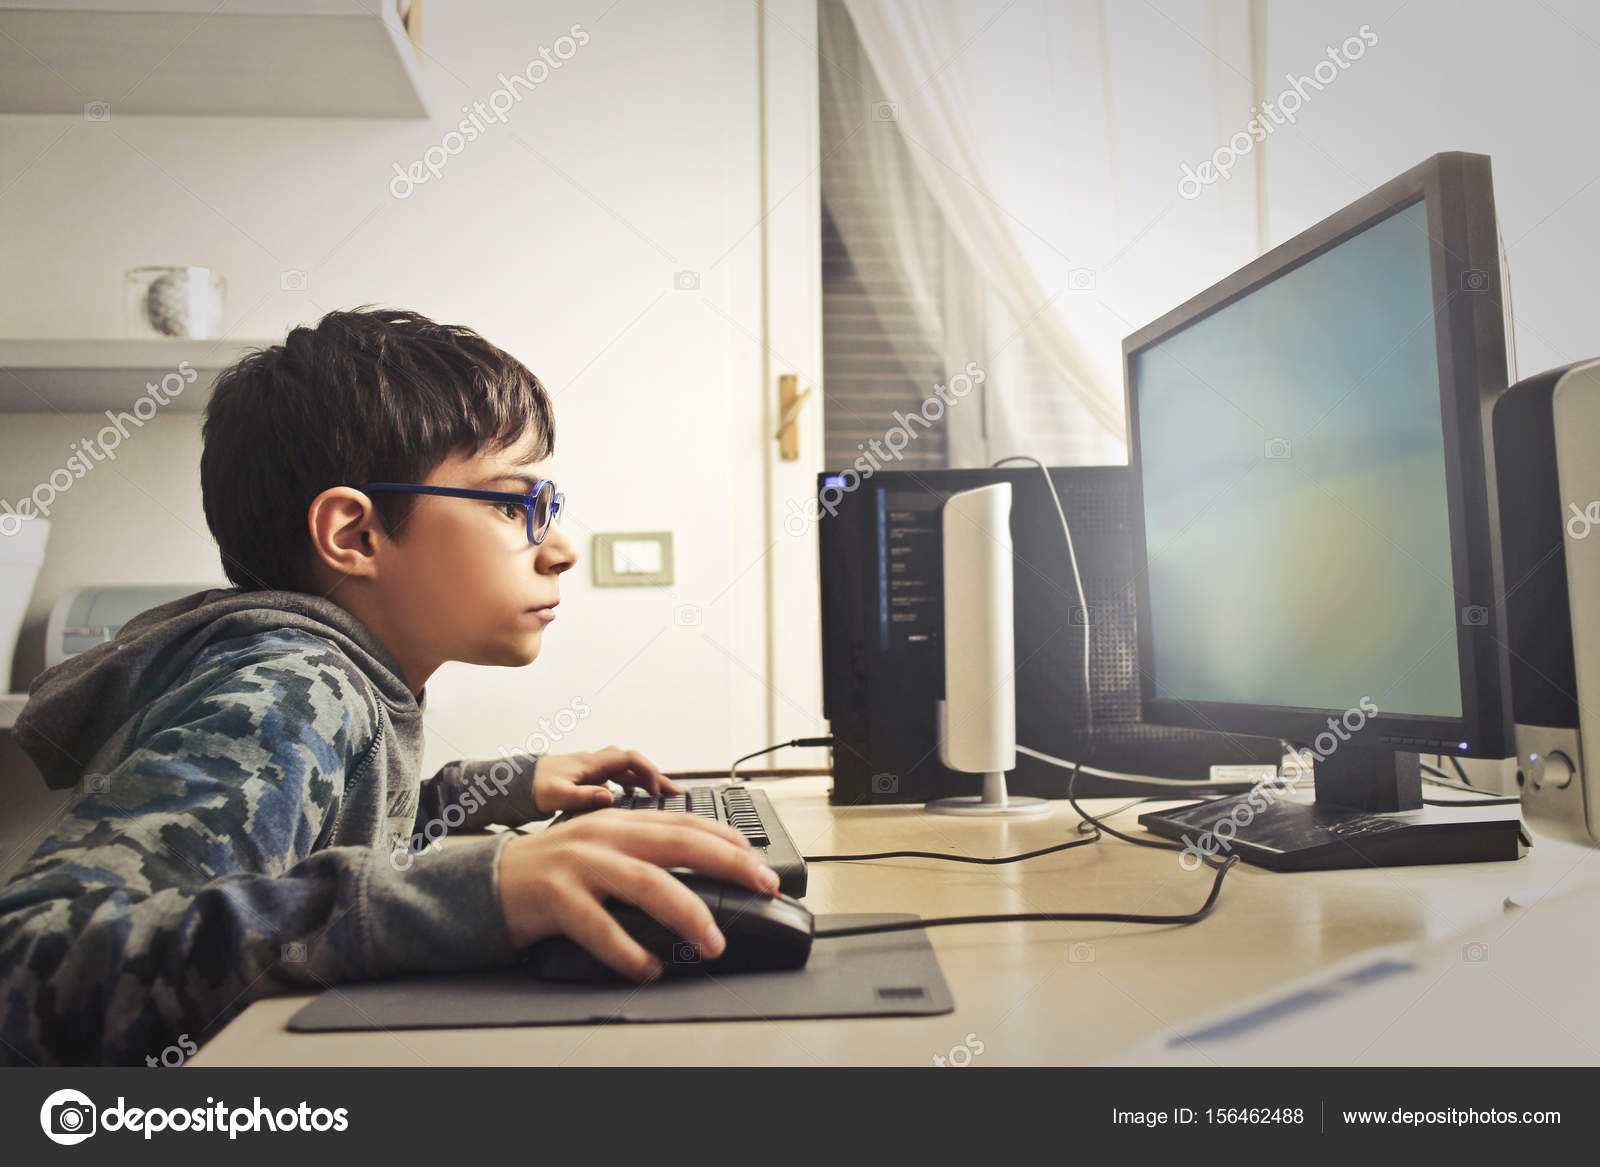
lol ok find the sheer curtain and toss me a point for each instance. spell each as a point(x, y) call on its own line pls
point(1046, 140)
point(901, 251)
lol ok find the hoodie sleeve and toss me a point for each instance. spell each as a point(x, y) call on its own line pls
point(482, 793)
point(187, 882)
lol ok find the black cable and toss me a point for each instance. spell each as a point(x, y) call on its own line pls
point(1095, 824)
point(1089, 820)
point(1441, 779)
point(1194, 917)
point(950, 858)
point(733, 770)
point(1077, 579)
point(1149, 783)
point(1460, 769)
point(972, 859)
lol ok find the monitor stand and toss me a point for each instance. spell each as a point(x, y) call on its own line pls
point(993, 801)
point(1368, 812)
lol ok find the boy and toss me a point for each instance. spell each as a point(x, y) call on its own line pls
point(248, 758)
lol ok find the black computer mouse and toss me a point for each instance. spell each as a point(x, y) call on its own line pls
point(764, 933)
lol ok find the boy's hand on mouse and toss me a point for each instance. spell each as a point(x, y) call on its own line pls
point(578, 781)
point(557, 882)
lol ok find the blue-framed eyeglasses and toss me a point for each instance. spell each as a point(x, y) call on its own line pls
point(542, 504)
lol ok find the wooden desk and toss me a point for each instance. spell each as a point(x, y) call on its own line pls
point(1033, 994)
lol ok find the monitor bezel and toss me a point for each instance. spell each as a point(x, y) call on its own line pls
point(1469, 335)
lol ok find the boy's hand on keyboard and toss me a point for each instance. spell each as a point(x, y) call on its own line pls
point(558, 881)
point(578, 781)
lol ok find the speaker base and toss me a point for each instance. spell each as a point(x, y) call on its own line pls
point(993, 801)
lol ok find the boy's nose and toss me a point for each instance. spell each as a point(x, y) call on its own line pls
point(557, 551)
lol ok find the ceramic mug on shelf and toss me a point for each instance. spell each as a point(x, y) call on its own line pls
point(176, 301)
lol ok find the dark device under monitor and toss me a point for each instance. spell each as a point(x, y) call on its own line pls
point(883, 659)
point(1318, 544)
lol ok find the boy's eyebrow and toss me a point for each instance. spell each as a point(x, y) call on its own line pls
point(523, 480)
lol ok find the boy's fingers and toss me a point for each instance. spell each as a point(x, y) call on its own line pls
point(631, 780)
point(612, 820)
point(634, 769)
point(591, 926)
point(665, 898)
point(694, 822)
point(629, 830)
point(625, 828)
point(652, 773)
point(710, 853)
point(576, 798)
point(655, 784)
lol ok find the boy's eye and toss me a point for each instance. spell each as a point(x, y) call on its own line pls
point(511, 510)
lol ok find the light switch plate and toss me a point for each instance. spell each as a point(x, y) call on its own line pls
point(632, 559)
point(636, 557)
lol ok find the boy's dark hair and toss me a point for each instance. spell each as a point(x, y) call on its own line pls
point(369, 395)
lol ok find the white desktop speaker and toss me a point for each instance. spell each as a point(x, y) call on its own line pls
point(1547, 463)
point(978, 716)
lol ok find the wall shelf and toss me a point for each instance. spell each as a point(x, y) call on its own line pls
point(88, 376)
point(102, 59)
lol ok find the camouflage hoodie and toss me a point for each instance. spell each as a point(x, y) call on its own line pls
point(247, 762)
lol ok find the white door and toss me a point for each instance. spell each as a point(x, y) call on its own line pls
point(775, 593)
point(794, 331)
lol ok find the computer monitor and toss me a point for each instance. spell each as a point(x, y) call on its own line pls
point(1317, 553)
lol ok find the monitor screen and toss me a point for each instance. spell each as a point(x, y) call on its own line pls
point(1292, 458)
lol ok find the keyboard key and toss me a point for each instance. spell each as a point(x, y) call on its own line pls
point(738, 808)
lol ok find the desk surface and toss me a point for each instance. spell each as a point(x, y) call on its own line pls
point(1033, 994)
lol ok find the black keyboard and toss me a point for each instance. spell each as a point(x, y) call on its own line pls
point(747, 811)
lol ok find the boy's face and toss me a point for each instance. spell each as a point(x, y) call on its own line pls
point(464, 583)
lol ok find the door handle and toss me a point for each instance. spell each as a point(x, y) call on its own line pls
point(789, 402)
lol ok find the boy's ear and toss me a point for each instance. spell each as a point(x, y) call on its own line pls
point(345, 531)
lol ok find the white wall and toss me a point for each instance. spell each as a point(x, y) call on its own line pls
point(1514, 81)
point(556, 235)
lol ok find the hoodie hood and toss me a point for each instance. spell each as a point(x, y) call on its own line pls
point(76, 707)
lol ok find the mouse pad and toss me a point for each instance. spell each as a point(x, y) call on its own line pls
point(887, 975)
